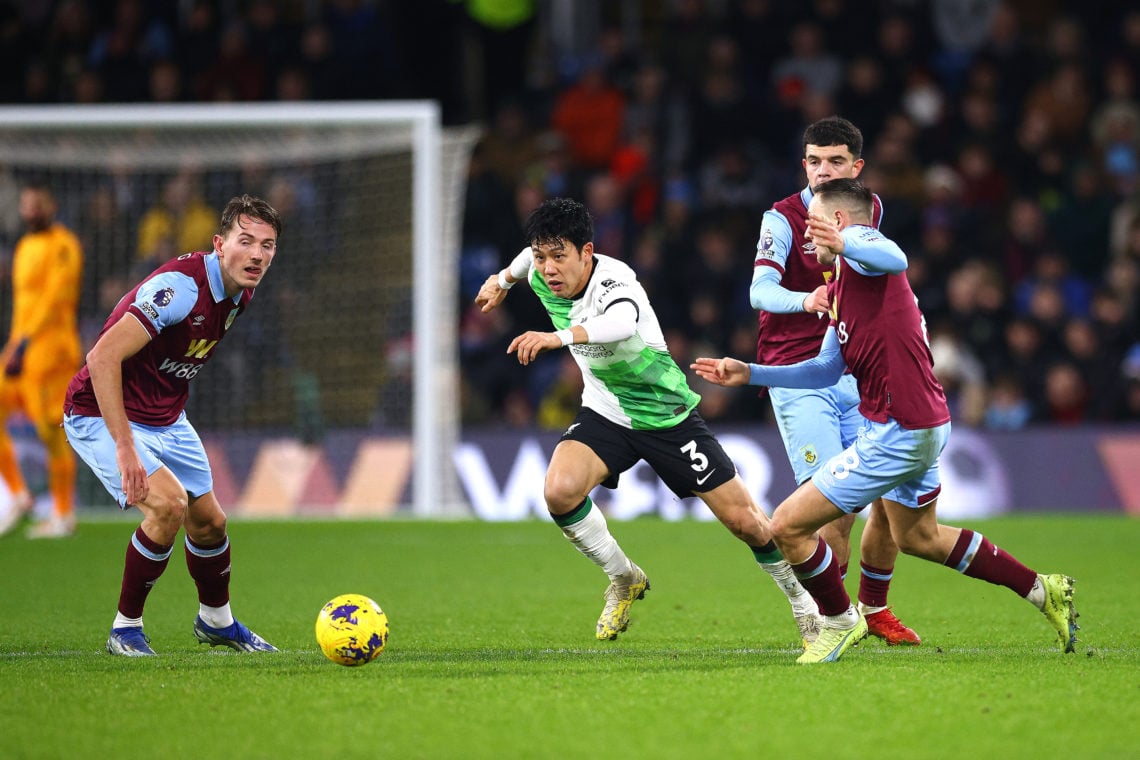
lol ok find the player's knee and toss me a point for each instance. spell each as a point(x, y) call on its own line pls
point(167, 509)
point(784, 529)
point(917, 544)
point(562, 492)
point(213, 528)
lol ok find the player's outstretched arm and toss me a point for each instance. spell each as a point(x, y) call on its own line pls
point(726, 371)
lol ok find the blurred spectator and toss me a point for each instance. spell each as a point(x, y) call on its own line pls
point(898, 50)
point(721, 115)
point(198, 39)
point(270, 35)
point(165, 82)
point(237, 73)
point(511, 145)
point(1007, 407)
point(1026, 237)
point(729, 181)
point(361, 47)
point(864, 99)
point(123, 50)
point(1066, 395)
point(87, 87)
point(961, 27)
point(1081, 222)
point(69, 39)
point(1064, 100)
point(1024, 356)
point(985, 191)
point(962, 376)
point(1115, 128)
point(1051, 273)
point(635, 171)
point(1099, 367)
point(685, 38)
point(293, 84)
point(655, 107)
point(809, 63)
point(1038, 165)
point(589, 114)
point(180, 222)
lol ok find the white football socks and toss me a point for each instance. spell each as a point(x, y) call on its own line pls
point(216, 617)
point(1036, 595)
point(122, 621)
point(591, 536)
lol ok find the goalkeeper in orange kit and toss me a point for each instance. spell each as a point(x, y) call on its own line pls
point(42, 354)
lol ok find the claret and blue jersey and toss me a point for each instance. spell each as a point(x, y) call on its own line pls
point(184, 307)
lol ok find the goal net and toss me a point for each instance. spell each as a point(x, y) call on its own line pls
point(353, 329)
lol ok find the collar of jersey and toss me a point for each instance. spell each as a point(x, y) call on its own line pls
point(214, 277)
point(806, 195)
point(593, 269)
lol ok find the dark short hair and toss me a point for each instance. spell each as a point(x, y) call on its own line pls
point(835, 130)
point(849, 193)
point(254, 208)
point(560, 219)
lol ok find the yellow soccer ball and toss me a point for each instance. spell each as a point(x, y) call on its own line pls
point(352, 629)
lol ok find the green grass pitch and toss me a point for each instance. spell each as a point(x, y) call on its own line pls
point(492, 652)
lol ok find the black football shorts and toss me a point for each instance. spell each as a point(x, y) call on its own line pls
point(687, 457)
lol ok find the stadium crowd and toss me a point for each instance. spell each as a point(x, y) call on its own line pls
point(1003, 137)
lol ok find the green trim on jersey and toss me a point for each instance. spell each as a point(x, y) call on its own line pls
point(557, 307)
point(651, 389)
point(633, 382)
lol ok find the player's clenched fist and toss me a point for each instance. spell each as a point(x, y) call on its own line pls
point(724, 371)
point(530, 344)
point(491, 294)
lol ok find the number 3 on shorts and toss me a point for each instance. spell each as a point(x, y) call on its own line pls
point(700, 461)
point(841, 465)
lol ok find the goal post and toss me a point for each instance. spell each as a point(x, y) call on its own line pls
point(361, 329)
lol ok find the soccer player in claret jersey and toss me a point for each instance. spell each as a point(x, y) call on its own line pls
point(789, 289)
point(877, 331)
point(125, 416)
point(636, 405)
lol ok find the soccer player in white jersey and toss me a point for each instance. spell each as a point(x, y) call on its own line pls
point(636, 405)
point(877, 331)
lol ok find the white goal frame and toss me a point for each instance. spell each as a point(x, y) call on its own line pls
point(435, 426)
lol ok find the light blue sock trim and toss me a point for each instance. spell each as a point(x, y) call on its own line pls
point(827, 557)
point(147, 552)
point(968, 557)
point(198, 551)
